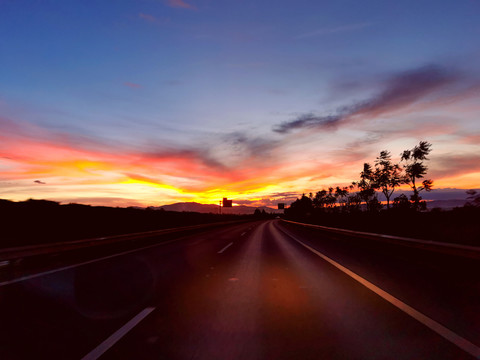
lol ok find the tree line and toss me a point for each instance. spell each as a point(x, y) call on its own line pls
point(383, 176)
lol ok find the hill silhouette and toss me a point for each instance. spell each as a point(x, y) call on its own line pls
point(214, 209)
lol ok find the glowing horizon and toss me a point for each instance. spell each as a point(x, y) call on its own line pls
point(152, 103)
point(56, 171)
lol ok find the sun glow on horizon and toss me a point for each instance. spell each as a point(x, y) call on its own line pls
point(69, 174)
point(204, 117)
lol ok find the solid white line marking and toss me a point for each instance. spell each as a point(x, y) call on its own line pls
point(225, 248)
point(4, 263)
point(117, 335)
point(243, 234)
point(461, 342)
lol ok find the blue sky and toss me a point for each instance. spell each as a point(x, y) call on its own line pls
point(213, 81)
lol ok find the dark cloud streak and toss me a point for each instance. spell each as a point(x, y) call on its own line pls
point(309, 120)
point(399, 91)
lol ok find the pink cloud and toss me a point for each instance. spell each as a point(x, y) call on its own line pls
point(472, 139)
point(180, 4)
point(449, 165)
point(132, 85)
point(147, 17)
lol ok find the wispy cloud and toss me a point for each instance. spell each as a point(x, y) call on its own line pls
point(147, 17)
point(247, 65)
point(153, 19)
point(334, 30)
point(246, 165)
point(35, 153)
point(399, 91)
point(180, 4)
point(132, 85)
point(472, 139)
point(449, 165)
point(307, 121)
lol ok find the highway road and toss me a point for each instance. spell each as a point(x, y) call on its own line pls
point(257, 290)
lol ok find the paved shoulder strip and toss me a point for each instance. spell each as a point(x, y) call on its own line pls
point(454, 338)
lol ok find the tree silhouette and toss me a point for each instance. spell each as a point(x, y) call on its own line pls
point(416, 169)
point(331, 198)
point(353, 203)
point(401, 203)
point(387, 176)
point(324, 199)
point(320, 199)
point(473, 198)
point(341, 195)
point(367, 186)
point(301, 207)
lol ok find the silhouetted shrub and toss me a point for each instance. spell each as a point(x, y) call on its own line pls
point(41, 221)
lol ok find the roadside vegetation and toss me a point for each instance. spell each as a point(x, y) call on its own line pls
point(357, 206)
point(40, 221)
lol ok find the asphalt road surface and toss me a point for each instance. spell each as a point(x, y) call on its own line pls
point(258, 290)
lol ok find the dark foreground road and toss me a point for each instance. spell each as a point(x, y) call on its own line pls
point(262, 290)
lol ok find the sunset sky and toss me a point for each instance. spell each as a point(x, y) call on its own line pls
point(151, 102)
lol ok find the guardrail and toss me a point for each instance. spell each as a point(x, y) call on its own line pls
point(448, 248)
point(12, 254)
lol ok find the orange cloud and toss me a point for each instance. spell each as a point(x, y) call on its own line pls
point(89, 169)
point(75, 167)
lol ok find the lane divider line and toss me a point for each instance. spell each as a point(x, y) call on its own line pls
point(117, 335)
point(225, 248)
point(455, 339)
point(243, 234)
